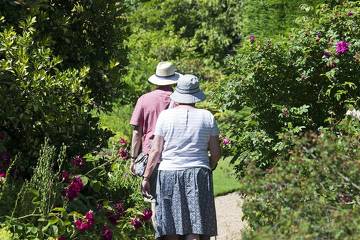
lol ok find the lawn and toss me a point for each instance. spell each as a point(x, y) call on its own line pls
point(224, 178)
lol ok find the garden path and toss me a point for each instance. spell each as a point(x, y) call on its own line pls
point(229, 216)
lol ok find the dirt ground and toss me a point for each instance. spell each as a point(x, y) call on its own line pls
point(229, 214)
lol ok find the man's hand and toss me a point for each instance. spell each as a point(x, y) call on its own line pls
point(145, 188)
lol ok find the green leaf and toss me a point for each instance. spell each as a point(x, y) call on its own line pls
point(84, 179)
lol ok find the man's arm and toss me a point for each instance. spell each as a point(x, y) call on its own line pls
point(135, 146)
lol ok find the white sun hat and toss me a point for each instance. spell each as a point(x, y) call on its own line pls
point(165, 74)
point(187, 90)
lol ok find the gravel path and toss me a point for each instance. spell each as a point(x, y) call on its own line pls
point(229, 214)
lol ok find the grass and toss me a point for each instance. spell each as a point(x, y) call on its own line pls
point(118, 122)
point(224, 178)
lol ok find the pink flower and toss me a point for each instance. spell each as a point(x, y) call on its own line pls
point(79, 225)
point(342, 47)
point(350, 13)
point(61, 238)
point(252, 38)
point(86, 223)
point(122, 141)
point(64, 176)
point(106, 233)
point(77, 184)
point(123, 153)
point(147, 213)
point(136, 223)
point(78, 161)
point(89, 216)
point(73, 190)
point(226, 141)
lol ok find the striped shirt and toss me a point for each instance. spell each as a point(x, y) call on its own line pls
point(186, 132)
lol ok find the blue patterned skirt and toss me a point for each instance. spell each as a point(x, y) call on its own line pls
point(185, 203)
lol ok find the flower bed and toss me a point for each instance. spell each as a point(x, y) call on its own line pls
point(91, 196)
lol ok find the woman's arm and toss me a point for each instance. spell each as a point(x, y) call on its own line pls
point(154, 156)
point(214, 148)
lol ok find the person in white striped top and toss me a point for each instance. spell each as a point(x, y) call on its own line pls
point(184, 137)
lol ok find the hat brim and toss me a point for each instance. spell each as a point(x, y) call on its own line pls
point(163, 81)
point(187, 98)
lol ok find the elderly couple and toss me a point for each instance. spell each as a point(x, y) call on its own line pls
point(178, 138)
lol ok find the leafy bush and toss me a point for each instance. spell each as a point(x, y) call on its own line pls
point(93, 198)
point(311, 194)
point(308, 81)
point(283, 105)
point(38, 100)
point(82, 34)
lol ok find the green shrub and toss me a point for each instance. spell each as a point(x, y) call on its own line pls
point(81, 33)
point(38, 100)
point(54, 200)
point(300, 84)
point(283, 105)
point(311, 194)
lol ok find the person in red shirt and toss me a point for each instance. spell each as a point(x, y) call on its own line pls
point(147, 110)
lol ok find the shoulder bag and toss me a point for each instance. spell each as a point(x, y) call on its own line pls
point(140, 164)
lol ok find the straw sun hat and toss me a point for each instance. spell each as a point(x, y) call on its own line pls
point(165, 74)
point(187, 90)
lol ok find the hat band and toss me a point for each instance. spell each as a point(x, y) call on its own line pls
point(165, 76)
point(187, 91)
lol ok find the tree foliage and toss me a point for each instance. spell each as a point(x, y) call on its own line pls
point(195, 35)
point(81, 33)
point(273, 18)
point(39, 100)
